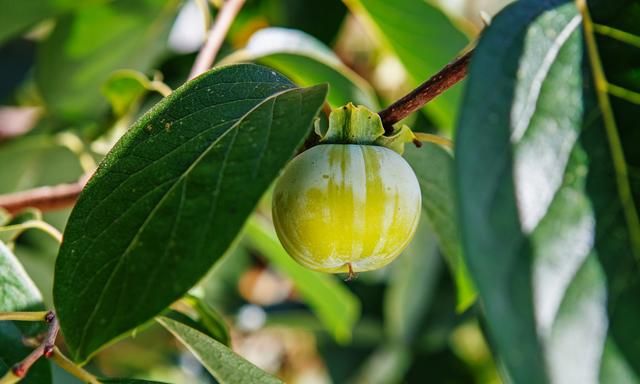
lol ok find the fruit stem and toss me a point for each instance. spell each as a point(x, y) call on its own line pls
point(425, 92)
point(352, 275)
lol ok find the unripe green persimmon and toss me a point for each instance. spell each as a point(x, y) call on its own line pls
point(346, 207)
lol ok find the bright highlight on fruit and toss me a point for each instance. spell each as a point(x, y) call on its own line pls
point(350, 204)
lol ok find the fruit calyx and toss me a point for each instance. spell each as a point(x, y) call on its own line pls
point(352, 124)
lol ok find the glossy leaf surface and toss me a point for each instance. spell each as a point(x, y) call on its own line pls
point(547, 233)
point(171, 196)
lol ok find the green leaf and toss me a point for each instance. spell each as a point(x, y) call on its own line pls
point(307, 61)
point(220, 361)
point(18, 293)
point(424, 40)
point(333, 303)
point(171, 196)
point(433, 166)
point(411, 286)
point(545, 232)
point(79, 56)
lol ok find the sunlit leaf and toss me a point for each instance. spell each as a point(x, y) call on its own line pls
point(546, 233)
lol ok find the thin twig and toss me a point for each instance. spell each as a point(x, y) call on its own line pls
point(425, 92)
point(46, 198)
point(45, 349)
point(215, 37)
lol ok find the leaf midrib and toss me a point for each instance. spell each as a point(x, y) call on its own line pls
point(160, 202)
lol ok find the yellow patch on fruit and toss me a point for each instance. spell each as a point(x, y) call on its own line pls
point(342, 207)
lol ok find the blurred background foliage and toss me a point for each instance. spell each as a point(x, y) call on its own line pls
point(75, 74)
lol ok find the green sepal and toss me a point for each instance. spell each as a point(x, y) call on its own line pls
point(397, 139)
point(352, 124)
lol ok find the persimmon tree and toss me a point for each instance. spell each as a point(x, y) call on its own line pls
point(525, 178)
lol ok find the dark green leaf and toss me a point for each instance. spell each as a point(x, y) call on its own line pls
point(333, 303)
point(424, 40)
point(171, 196)
point(434, 168)
point(411, 285)
point(547, 237)
point(80, 55)
point(219, 360)
point(307, 61)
